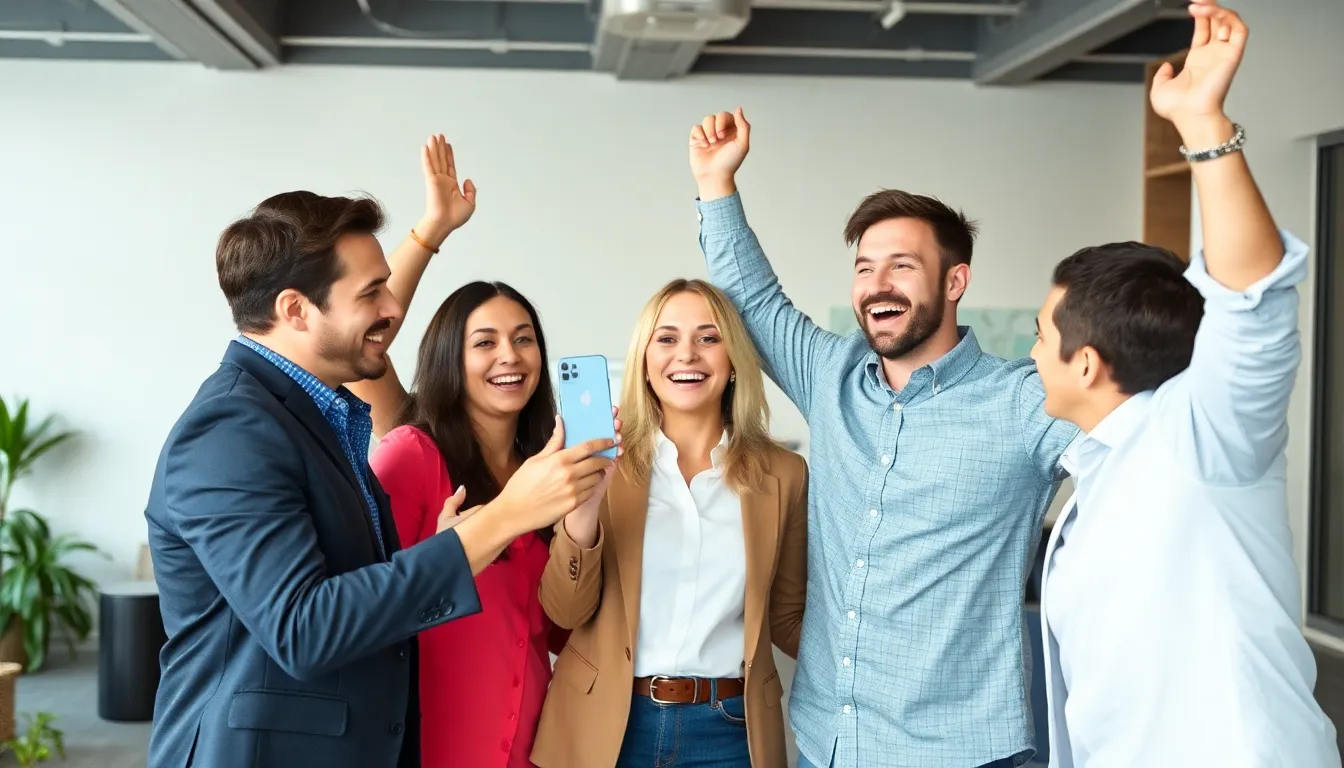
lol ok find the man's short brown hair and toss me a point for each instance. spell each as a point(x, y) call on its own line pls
point(954, 233)
point(289, 241)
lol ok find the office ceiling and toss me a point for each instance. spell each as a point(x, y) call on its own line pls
point(1000, 42)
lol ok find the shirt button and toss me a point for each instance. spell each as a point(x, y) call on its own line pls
point(886, 459)
point(515, 681)
point(512, 717)
point(852, 614)
point(859, 563)
point(396, 729)
point(521, 643)
point(896, 407)
point(846, 709)
point(504, 745)
point(845, 661)
point(872, 513)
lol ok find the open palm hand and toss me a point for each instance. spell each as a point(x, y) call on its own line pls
point(446, 203)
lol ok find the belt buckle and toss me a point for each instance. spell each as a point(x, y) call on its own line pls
point(653, 695)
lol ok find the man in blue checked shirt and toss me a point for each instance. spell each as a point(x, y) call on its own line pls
point(932, 464)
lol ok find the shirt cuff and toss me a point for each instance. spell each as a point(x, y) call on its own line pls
point(1290, 271)
point(721, 215)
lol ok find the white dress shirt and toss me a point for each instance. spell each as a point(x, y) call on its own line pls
point(694, 584)
point(1171, 610)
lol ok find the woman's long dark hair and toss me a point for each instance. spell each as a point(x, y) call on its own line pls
point(438, 402)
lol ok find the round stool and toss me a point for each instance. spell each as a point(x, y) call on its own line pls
point(130, 636)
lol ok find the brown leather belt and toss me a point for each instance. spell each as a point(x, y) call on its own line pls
point(688, 690)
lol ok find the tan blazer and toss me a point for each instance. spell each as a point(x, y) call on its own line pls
point(596, 593)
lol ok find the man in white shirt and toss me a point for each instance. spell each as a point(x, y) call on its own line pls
point(1171, 603)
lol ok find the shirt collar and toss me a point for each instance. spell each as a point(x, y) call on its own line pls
point(324, 397)
point(1086, 452)
point(941, 373)
point(664, 447)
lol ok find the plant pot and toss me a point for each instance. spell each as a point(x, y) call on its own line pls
point(9, 675)
point(11, 644)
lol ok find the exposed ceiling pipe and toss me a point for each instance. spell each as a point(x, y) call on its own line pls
point(507, 46)
point(434, 43)
point(58, 38)
point(891, 54)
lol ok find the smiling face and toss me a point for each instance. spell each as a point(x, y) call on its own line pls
point(501, 359)
point(897, 291)
point(348, 333)
point(686, 360)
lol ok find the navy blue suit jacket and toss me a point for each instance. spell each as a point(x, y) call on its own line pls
point(291, 641)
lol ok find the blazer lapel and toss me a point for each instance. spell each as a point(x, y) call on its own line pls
point(299, 403)
point(629, 510)
point(760, 529)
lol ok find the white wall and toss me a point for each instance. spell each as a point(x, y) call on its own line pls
point(117, 179)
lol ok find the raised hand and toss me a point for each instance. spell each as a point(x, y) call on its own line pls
point(718, 145)
point(1197, 93)
point(447, 205)
point(557, 480)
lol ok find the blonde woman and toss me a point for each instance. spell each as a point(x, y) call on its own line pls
point(677, 585)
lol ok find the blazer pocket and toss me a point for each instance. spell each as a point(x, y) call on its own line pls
point(575, 670)
point(292, 711)
point(773, 690)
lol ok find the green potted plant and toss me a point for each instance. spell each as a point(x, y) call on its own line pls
point(37, 590)
point(38, 742)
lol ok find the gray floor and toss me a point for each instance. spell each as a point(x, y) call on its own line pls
point(69, 690)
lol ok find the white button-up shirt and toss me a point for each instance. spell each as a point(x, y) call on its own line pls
point(1171, 603)
point(693, 590)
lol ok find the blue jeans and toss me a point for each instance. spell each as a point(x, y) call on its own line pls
point(1006, 762)
point(708, 735)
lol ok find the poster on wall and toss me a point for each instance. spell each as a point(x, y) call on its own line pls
point(1007, 333)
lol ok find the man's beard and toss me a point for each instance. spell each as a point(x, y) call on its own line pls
point(921, 322)
point(337, 351)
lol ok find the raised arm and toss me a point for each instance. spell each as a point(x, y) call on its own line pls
point(571, 585)
point(792, 347)
point(447, 207)
point(1248, 348)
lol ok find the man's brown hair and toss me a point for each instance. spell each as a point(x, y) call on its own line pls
point(954, 233)
point(288, 241)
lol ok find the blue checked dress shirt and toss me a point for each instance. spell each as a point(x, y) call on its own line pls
point(924, 513)
point(349, 419)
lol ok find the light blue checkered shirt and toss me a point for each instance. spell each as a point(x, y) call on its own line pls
point(349, 419)
point(925, 508)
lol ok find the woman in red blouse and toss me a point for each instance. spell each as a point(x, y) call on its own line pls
point(481, 404)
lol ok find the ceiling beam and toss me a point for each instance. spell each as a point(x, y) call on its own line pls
point(220, 34)
point(1053, 33)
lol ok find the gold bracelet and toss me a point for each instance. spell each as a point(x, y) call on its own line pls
point(422, 243)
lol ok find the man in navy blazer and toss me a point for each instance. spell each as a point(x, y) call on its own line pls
point(290, 609)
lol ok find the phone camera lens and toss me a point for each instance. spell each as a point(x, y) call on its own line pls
point(564, 376)
point(564, 366)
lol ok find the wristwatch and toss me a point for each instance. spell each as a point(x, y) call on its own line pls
point(1233, 144)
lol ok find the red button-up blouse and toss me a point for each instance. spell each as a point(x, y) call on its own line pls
point(483, 677)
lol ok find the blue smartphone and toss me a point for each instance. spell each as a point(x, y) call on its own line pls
point(585, 401)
